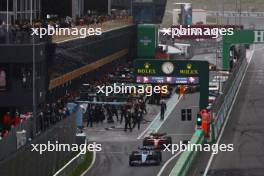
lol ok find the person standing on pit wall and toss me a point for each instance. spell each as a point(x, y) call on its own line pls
point(182, 90)
point(163, 108)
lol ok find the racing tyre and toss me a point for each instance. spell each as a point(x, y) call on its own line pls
point(160, 156)
point(146, 142)
point(169, 140)
point(130, 161)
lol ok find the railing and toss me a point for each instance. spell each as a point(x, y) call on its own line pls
point(219, 113)
point(223, 102)
point(9, 144)
point(21, 37)
point(235, 14)
point(63, 131)
point(108, 25)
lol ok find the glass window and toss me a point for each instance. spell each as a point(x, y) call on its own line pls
point(3, 79)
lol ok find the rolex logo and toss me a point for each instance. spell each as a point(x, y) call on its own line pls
point(189, 66)
point(146, 65)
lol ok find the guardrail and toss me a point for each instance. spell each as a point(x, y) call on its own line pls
point(235, 14)
point(223, 103)
point(106, 26)
point(63, 130)
point(187, 157)
point(10, 144)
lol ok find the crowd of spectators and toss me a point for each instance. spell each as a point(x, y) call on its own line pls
point(94, 18)
point(51, 113)
point(124, 71)
point(20, 31)
point(48, 114)
point(9, 120)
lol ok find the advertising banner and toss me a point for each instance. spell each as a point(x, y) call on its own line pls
point(146, 40)
point(162, 71)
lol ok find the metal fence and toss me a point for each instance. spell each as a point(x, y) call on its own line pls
point(223, 102)
point(26, 162)
point(235, 14)
point(8, 144)
point(20, 37)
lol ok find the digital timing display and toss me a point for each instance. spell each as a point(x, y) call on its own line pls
point(167, 80)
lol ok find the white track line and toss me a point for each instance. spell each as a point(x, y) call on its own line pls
point(229, 112)
point(93, 161)
point(94, 157)
point(67, 164)
point(167, 162)
point(181, 134)
point(158, 117)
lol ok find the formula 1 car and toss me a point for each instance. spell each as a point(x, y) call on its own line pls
point(157, 140)
point(189, 89)
point(145, 156)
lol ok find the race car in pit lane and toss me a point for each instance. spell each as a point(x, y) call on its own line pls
point(189, 89)
point(145, 156)
point(158, 140)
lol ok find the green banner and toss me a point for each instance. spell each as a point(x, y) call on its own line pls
point(176, 68)
point(146, 40)
point(240, 36)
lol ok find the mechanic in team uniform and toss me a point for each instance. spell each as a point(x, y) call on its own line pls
point(90, 115)
point(142, 105)
point(136, 116)
point(110, 114)
point(115, 110)
point(128, 118)
point(123, 113)
point(163, 108)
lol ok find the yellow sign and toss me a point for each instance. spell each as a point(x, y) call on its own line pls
point(189, 70)
point(146, 70)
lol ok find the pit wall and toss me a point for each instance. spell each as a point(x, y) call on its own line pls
point(219, 114)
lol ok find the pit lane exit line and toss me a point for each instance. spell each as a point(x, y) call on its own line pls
point(167, 162)
point(155, 125)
